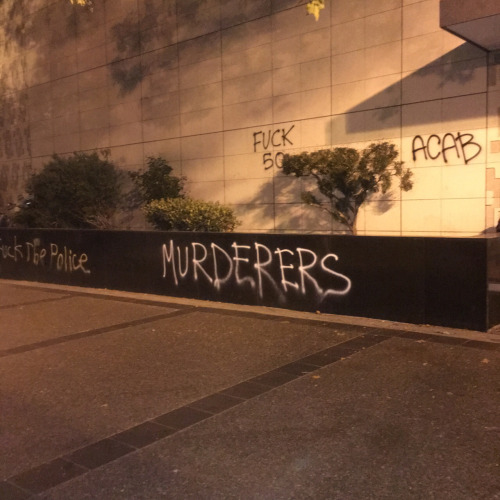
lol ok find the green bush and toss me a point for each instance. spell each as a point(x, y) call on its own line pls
point(156, 182)
point(78, 191)
point(346, 177)
point(185, 214)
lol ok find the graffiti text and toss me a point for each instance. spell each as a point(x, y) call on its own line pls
point(257, 267)
point(53, 256)
point(263, 140)
point(462, 145)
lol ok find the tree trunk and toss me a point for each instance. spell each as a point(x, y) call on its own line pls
point(353, 226)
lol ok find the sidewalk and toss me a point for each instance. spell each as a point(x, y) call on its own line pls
point(109, 395)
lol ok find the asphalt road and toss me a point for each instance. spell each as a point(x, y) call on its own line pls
point(107, 395)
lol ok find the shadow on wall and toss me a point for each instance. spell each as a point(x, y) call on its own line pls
point(30, 29)
point(145, 44)
point(26, 41)
point(15, 163)
point(277, 206)
point(444, 77)
point(460, 72)
point(56, 26)
point(141, 43)
point(143, 36)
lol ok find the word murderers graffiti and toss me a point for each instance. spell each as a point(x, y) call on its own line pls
point(255, 267)
point(435, 147)
point(62, 259)
point(269, 139)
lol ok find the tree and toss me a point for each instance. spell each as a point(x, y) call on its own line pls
point(156, 182)
point(347, 177)
point(78, 191)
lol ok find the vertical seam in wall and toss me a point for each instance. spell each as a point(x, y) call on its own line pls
point(330, 26)
point(178, 87)
point(222, 109)
point(106, 82)
point(29, 150)
point(401, 119)
point(486, 163)
point(52, 99)
point(272, 17)
point(350, 111)
point(78, 86)
point(442, 167)
point(142, 80)
point(331, 225)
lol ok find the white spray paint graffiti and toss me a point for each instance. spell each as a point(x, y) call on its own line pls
point(32, 252)
point(299, 269)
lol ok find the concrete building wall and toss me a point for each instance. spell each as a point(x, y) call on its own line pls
point(221, 88)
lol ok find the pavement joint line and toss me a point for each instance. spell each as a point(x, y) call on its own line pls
point(280, 318)
point(174, 421)
point(91, 333)
point(144, 302)
point(23, 485)
point(182, 309)
point(75, 292)
point(345, 322)
point(285, 319)
point(35, 302)
point(185, 417)
point(432, 337)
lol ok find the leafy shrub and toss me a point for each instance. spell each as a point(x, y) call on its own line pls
point(346, 177)
point(156, 183)
point(78, 191)
point(186, 214)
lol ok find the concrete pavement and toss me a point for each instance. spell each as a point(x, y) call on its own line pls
point(109, 395)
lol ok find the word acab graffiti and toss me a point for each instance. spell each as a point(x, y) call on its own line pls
point(53, 256)
point(435, 147)
point(255, 268)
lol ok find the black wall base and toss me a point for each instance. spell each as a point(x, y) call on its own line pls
point(438, 281)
